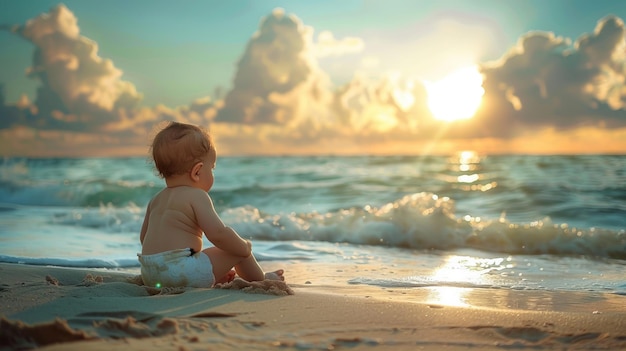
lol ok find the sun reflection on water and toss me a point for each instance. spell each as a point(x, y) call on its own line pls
point(467, 172)
point(458, 274)
point(468, 178)
point(448, 295)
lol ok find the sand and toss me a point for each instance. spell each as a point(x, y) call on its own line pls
point(77, 309)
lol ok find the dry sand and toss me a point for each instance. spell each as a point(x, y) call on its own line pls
point(71, 309)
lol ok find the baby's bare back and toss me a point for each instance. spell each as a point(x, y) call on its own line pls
point(172, 222)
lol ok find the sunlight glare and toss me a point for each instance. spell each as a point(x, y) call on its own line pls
point(448, 296)
point(460, 273)
point(457, 96)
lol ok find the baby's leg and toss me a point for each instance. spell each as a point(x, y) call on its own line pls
point(275, 275)
point(247, 267)
point(250, 270)
point(229, 277)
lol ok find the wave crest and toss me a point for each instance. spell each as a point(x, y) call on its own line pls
point(427, 221)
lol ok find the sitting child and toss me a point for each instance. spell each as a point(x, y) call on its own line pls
point(171, 235)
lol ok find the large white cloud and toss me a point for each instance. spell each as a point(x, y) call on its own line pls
point(279, 82)
point(547, 81)
point(82, 92)
point(277, 78)
point(79, 89)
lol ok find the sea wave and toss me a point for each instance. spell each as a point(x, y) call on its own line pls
point(72, 193)
point(72, 263)
point(427, 221)
point(416, 221)
point(512, 204)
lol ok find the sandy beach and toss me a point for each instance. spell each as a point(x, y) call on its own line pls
point(77, 309)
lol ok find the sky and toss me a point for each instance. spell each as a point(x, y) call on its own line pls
point(94, 78)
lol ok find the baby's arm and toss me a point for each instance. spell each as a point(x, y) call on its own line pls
point(144, 226)
point(216, 231)
point(228, 240)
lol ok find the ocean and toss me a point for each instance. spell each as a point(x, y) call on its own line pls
point(516, 222)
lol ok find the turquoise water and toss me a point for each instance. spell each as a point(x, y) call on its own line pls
point(516, 222)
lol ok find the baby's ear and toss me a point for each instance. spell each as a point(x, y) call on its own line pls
point(195, 171)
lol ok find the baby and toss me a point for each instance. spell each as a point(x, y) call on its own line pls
point(171, 235)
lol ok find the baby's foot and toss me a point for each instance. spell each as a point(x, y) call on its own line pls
point(229, 277)
point(275, 275)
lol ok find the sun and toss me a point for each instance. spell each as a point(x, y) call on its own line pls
point(456, 96)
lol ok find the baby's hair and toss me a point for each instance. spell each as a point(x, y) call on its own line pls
point(178, 146)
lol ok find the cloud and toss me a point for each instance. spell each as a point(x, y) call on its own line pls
point(278, 82)
point(80, 93)
point(79, 89)
point(367, 107)
point(276, 76)
point(328, 45)
point(545, 81)
point(14, 114)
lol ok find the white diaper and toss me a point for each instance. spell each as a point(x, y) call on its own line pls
point(177, 268)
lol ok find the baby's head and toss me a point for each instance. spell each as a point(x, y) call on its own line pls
point(178, 146)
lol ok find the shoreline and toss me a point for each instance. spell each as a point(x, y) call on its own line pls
point(74, 309)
